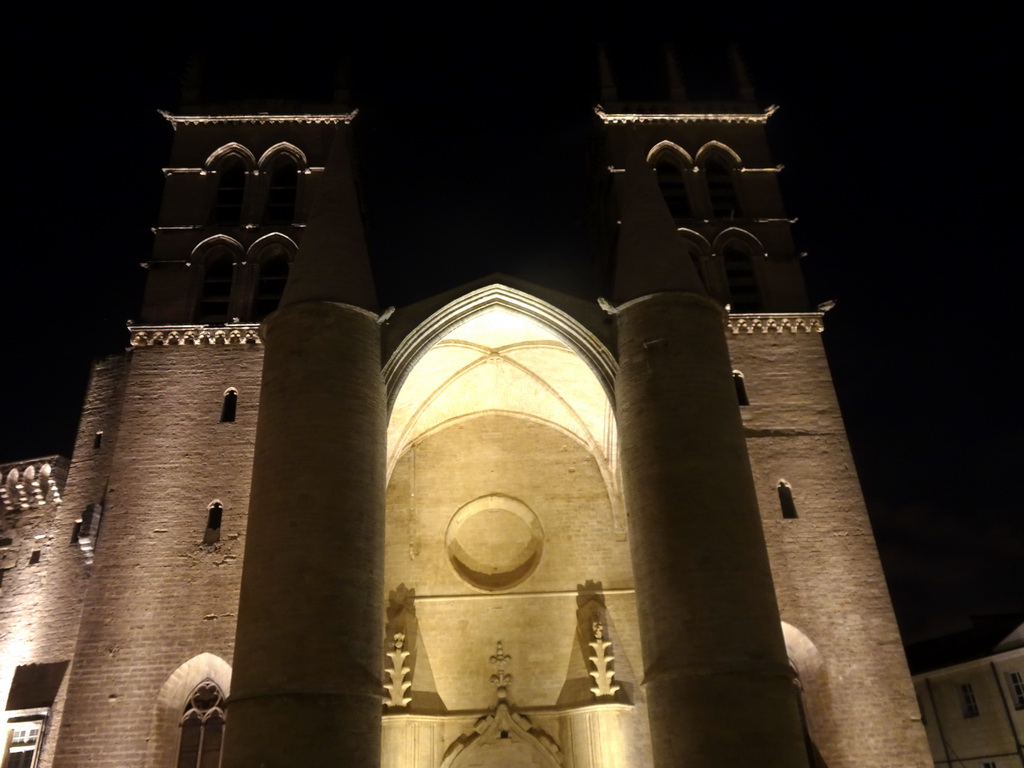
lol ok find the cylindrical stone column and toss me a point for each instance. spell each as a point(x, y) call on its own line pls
point(306, 686)
point(718, 685)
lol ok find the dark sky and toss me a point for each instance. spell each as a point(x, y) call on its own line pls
point(900, 163)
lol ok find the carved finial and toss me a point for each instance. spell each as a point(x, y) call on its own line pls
point(500, 679)
point(604, 686)
point(398, 685)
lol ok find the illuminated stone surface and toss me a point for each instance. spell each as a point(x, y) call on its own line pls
point(513, 413)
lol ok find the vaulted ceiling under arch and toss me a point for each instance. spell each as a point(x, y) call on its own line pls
point(502, 361)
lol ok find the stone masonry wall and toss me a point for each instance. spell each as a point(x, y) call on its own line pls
point(828, 578)
point(158, 595)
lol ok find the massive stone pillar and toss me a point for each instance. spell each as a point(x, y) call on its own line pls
point(719, 688)
point(306, 684)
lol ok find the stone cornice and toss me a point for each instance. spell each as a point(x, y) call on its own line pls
point(697, 117)
point(794, 322)
point(259, 119)
point(32, 483)
point(183, 335)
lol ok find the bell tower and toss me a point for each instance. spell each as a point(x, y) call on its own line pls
point(746, 521)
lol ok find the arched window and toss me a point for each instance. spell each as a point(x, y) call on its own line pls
point(202, 727)
point(229, 406)
point(214, 517)
point(744, 295)
point(672, 184)
point(786, 500)
point(741, 388)
point(281, 192)
point(215, 296)
point(227, 204)
point(724, 204)
point(270, 285)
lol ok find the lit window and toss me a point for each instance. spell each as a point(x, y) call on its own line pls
point(968, 703)
point(1015, 681)
point(214, 516)
point(24, 743)
point(229, 406)
point(202, 728)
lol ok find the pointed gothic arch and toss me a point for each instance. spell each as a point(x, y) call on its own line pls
point(720, 164)
point(814, 699)
point(739, 254)
point(216, 258)
point(672, 165)
point(229, 167)
point(172, 701)
point(516, 302)
point(273, 256)
point(281, 166)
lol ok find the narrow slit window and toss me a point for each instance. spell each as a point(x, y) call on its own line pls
point(741, 388)
point(34, 557)
point(214, 516)
point(229, 406)
point(97, 440)
point(786, 500)
point(968, 703)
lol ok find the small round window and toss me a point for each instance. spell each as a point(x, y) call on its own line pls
point(494, 542)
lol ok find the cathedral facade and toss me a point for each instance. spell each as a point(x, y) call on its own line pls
point(500, 526)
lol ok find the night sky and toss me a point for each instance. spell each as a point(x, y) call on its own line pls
point(900, 162)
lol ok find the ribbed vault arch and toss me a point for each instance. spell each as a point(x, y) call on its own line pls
point(501, 351)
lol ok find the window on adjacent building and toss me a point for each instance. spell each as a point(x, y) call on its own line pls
point(968, 704)
point(1015, 682)
point(202, 728)
point(25, 738)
